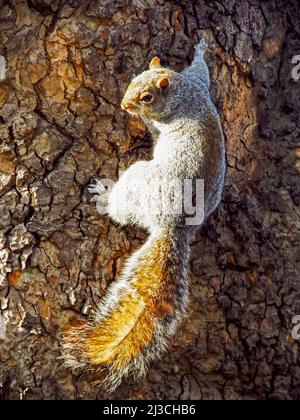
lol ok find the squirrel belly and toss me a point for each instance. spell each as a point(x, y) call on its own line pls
point(139, 313)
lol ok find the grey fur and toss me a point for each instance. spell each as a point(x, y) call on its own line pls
point(188, 132)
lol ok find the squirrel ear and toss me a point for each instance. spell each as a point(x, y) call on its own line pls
point(163, 83)
point(155, 62)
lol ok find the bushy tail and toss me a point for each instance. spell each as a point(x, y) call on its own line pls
point(139, 313)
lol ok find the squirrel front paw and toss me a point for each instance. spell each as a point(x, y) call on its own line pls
point(98, 191)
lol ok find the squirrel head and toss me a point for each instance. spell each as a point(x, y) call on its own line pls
point(153, 93)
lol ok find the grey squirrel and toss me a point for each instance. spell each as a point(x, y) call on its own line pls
point(142, 309)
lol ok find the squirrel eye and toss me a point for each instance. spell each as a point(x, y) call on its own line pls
point(147, 97)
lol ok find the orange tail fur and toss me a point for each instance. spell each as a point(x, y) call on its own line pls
point(139, 313)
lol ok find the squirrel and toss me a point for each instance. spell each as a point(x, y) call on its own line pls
point(142, 309)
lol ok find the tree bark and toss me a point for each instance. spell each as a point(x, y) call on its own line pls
point(64, 68)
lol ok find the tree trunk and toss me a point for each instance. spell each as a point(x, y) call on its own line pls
point(64, 67)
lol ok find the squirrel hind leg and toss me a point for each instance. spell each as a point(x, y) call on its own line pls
point(200, 49)
point(197, 73)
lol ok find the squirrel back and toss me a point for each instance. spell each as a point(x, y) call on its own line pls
point(144, 306)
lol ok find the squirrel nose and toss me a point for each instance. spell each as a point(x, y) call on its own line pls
point(127, 105)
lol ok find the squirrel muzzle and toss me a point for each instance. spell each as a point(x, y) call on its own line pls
point(129, 107)
point(126, 104)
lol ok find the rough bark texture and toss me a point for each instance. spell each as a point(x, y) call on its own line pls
point(64, 67)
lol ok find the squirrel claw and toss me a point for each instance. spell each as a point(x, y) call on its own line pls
point(97, 189)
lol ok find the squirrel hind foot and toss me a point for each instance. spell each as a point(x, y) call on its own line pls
point(200, 48)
